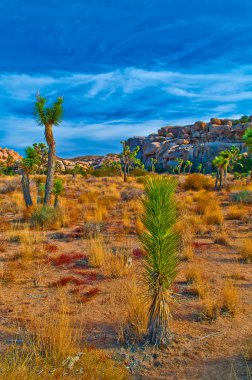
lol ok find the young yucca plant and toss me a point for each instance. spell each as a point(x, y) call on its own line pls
point(160, 241)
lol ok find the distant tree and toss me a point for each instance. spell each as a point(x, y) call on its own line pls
point(199, 168)
point(244, 119)
point(178, 167)
point(226, 155)
point(76, 170)
point(58, 189)
point(160, 241)
point(129, 159)
point(220, 163)
point(42, 155)
point(48, 117)
point(187, 164)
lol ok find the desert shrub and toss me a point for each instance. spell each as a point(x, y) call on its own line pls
point(7, 206)
point(245, 251)
point(116, 264)
point(93, 229)
point(131, 193)
point(211, 309)
point(222, 237)
point(197, 181)
point(141, 179)
point(45, 216)
point(188, 253)
point(97, 252)
point(106, 172)
point(139, 172)
point(244, 196)
point(209, 207)
point(196, 279)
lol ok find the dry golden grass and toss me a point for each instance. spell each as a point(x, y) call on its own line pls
point(211, 308)
point(245, 251)
point(51, 350)
point(116, 265)
point(187, 253)
point(236, 212)
point(113, 263)
point(229, 299)
point(97, 253)
point(139, 226)
point(222, 237)
point(196, 278)
point(209, 208)
point(131, 324)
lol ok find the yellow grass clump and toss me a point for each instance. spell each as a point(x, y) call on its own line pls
point(245, 251)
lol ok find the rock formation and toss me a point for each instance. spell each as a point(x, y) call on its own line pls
point(9, 157)
point(200, 143)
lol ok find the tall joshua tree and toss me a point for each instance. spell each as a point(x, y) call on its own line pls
point(160, 241)
point(48, 117)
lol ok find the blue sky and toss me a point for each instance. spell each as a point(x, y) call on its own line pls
point(124, 67)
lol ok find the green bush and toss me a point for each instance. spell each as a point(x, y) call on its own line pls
point(197, 181)
point(244, 196)
point(45, 216)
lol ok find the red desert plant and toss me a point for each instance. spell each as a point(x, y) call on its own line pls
point(66, 280)
point(89, 295)
point(138, 253)
point(50, 248)
point(66, 258)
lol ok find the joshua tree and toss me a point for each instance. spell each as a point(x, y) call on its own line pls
point(76, 170)
point(188, 164)
point(129, 158)
point(160, 241)
point(28, 165)
point(153, 164)
point(179, 164)
point(247, 137)
point(221, 164)
point(49, 116)
point(58, 189)
point(42, 155)
point(199, 168)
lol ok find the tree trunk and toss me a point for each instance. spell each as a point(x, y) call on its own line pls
point(158, 325)
point(221, 177)
point(125, 174)
point(217, 178)
point(26, 188)
point(56, 201)
point(51, 164)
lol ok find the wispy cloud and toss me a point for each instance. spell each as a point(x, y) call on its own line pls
point(108, 107)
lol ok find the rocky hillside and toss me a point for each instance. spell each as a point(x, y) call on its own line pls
point(85, 161)
point(11, 158)
point(199, 142)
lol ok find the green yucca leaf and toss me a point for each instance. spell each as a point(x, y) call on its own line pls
point(159, 240)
